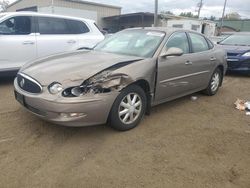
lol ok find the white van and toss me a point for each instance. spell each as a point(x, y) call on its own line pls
point(25, 36)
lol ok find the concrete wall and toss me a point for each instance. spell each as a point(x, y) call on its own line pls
point(96, 11)
point(238, 25)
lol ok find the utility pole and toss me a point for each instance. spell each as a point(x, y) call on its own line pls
point(156, 13)
point(223, 14)
point(200, 4)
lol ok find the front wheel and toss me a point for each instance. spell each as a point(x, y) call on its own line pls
point(214, 83)
point(128, 108)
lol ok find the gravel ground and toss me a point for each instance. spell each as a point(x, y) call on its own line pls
point(184, 143)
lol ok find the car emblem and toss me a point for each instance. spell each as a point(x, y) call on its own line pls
point(22, 82)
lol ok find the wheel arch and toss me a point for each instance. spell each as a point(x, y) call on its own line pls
point(221, 68)
point(144, 84)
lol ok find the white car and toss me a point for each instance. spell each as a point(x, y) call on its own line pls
point(25, 36)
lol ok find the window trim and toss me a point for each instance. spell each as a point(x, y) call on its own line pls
point(208, 40)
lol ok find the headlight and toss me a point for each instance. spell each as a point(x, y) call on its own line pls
point(55, 88)
point(247, 54)
point(82, 90)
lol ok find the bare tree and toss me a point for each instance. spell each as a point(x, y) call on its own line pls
point(3, 5)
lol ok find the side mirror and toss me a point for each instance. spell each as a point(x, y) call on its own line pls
point(172, 52)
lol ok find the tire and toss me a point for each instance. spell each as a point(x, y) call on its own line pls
point(214, 83)
point(120, 115)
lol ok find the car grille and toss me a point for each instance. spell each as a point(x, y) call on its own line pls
point(28, 84)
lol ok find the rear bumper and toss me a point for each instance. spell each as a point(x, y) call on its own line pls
point(83, 111)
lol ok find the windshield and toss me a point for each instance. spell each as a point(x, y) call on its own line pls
point(237, 39)
point(139, 43)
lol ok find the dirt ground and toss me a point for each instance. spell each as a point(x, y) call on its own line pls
point(184, 143)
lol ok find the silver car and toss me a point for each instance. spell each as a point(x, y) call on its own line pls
point(121, 78)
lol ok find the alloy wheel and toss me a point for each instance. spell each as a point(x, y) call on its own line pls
point(215, 81)
point(130, 108)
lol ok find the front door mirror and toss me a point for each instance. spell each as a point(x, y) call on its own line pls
point(172, 52)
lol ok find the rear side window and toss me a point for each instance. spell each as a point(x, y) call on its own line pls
point(199, 43)
point(77, 27)
point(20, 25)
point(53, 26)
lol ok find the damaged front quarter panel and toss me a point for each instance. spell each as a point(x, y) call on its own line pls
point(103, 82)
point(111, 81)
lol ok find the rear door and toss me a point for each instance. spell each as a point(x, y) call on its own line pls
point(54, 36)
point(17, 42)
point(180, 75)
point(204, 58)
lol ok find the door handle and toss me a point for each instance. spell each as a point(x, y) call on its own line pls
point(71, 42)
point(28, 43)
point(212, 59)
point(188, 63)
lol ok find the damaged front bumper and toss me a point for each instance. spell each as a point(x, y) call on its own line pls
point(78, 111)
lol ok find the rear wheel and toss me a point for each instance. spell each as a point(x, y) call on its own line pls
point(214, 83)
point(128, 108)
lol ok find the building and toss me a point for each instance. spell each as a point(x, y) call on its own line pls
point(205, 27)
point(78, 8)
point(146, 19)
point(119, 22)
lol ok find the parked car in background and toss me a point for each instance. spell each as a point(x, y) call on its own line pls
point(26, 36)
point(121, 78)
point(222, 36)
point(238, 52)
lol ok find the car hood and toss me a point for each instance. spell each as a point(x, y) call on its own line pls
point(77, 66)
point(235, 49)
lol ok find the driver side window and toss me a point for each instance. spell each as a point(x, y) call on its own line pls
point(178, 40)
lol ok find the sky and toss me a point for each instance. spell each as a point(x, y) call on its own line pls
point(211, 7)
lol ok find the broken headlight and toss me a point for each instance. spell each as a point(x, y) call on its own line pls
point(82, 90)
point(97, 84)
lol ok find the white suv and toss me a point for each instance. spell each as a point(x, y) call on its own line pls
point(25, 36)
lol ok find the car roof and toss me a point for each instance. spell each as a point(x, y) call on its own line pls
point(167, 30)
point(28, 13)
